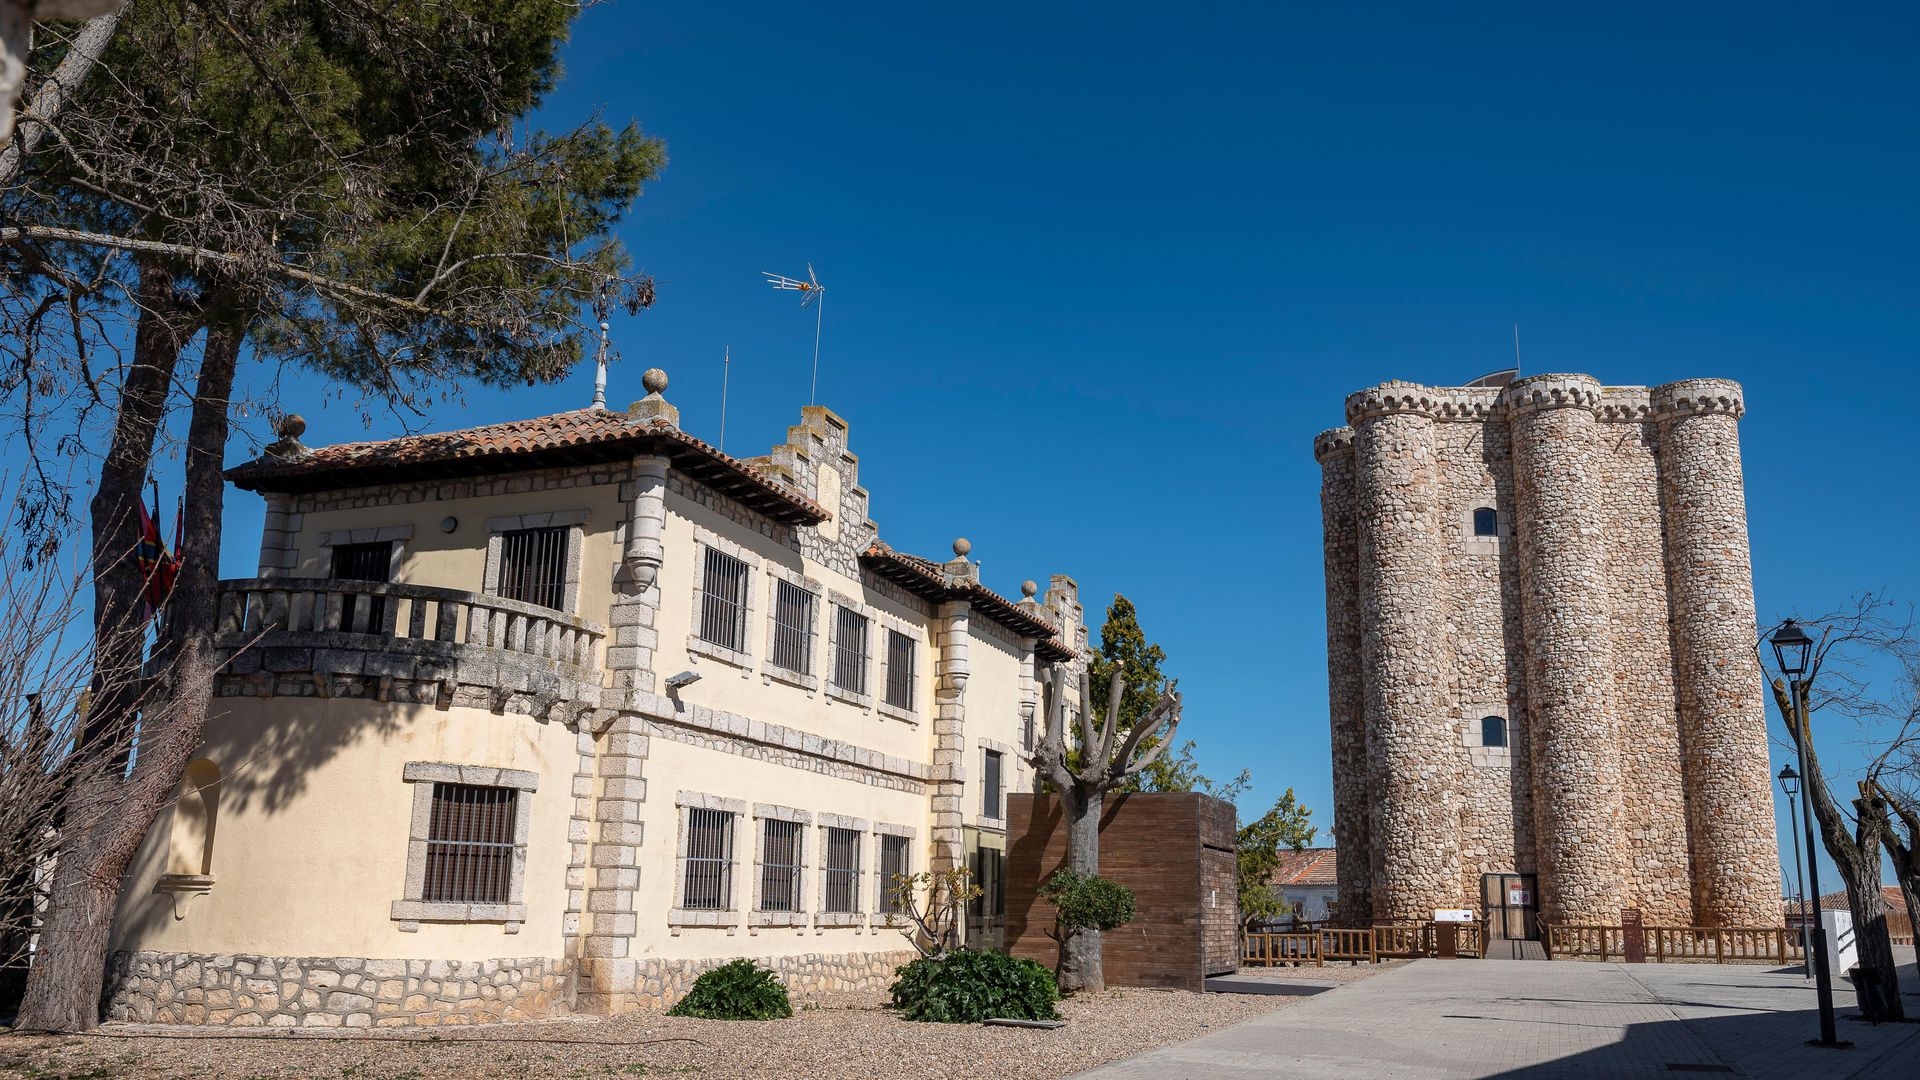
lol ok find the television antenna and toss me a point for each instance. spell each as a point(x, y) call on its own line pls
point(811, 293)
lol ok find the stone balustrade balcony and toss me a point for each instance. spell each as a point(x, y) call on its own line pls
point(330, 637)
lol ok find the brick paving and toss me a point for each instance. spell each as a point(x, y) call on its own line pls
point(1502, 1018)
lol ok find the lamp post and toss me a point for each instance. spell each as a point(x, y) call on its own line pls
point(1791, 650)
point(1790, 785)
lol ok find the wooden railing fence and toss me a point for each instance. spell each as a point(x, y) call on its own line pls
point(1386, 941)
point(1717, 944)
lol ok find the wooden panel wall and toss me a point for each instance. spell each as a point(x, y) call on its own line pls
point(1174, 850)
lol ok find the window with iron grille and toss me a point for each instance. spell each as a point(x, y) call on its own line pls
point(779, 865)
point(469, 845)
point(990, 785)
point(708, 873)
point(842, 871)
point(989, 873)
point(533, 567)
point(363, 562)
point(1026, 732)
point(899, 670)
point(723, 601)
point(849, 650)
point(792, 646)
point(895, 862)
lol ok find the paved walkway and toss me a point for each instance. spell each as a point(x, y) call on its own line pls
point(1505, 1018)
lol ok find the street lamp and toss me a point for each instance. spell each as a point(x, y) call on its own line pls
point(1791, 650)
point(1790, 784)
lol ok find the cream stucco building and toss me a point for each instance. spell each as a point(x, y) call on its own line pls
point(555, 714)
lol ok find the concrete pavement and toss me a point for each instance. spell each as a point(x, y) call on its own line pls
point(1501, 1018)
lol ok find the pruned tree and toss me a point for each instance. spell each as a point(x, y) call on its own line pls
point(933, 905)
point(1257, 855)
point(332, 184)
point(1097, 760)
point(1836, 682)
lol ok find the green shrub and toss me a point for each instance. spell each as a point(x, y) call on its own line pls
point(1087, 902)
point(966, 987)
point(735, 991)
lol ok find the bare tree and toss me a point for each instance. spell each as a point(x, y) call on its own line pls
point(1099, 761)
point(1838, 682)
point(933, 923)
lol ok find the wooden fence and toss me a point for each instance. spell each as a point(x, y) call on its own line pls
point(1716, 944)
point(1383, 942)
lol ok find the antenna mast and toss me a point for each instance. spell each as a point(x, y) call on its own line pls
point(813, 293)
point(600, 369)
point(726, 369)
point(1516, 349)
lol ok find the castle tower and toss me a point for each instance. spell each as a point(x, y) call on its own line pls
point(1540, 670)
point(1568, 655)
point(1722, 717)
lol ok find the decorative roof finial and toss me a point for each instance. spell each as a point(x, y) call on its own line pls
point(962, 546)
point(290, 428)
point(654, 406)
point(1028, 588)
point(655, 380)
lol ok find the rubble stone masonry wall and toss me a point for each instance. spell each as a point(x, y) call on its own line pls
point(1609, 621)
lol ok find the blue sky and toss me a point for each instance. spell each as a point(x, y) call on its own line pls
point(1096, 279)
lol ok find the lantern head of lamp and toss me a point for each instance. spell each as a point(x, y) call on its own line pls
point(1791, 649)
point(1789, 781)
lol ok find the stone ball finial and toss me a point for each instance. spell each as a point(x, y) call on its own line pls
point(654, 380)
point(1028, 588)
point(962, 546)
point(291, 426)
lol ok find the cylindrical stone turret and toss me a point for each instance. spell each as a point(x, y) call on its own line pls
point(1414, 854)
point(1347, 713)
point(1723, 733)
point(1573, 725)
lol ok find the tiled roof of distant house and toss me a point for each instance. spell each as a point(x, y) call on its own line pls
point(581, 436)
point(1837, 901)
point(1313, 866)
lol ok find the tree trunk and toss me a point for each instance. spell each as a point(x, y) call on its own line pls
point(1906, 859)
point(1080, 959)
point(1877, 983)
point(110, 813)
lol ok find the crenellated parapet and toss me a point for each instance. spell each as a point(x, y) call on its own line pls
point(1699, 397)
point(1331, 443)
point(1552, 392)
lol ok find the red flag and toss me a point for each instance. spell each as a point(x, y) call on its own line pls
point(157, 567)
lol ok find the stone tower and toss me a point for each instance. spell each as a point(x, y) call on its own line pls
point(1540, 652)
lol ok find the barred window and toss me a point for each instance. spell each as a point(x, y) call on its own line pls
point(990, 785)
point(1026, 731)
point(842, 871)
point(469, 845)
point(723, 601)
point(849, 650)
point(895, 862)
point(792, 628)
point(533, 566)
point(779, 865)
point(708, 872)
point(899, 670)
point(1486, 521)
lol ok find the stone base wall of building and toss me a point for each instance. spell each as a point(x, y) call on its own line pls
point(220, 990)
point(660, 983)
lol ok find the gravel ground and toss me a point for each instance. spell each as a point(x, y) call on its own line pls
point(849, 1036)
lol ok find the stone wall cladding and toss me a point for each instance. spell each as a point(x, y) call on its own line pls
point(1630, 780)
point(662, 982)
point(478, 487)
point(1574, 728)
point(1722, 714)
point(329, 992)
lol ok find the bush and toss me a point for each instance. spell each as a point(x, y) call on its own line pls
point(735, 991)
point(1087, 902)
point(966, 987)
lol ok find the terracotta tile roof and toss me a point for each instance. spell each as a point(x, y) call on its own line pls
point(928, 580)
point(1313, 866)
point(1837, 901)
point(581, 436)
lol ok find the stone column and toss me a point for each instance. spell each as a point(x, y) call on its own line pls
point(1414, 849)
point(608, 966)
point(1345, 695)
point(1723, 727)
point(949, 733)
point(279, 555)
point(1574, 742)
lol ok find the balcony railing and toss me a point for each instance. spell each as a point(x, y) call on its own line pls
point(371, 616)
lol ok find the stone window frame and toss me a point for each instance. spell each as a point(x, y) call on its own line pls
point(882, 918)
point(1008, 759)
point(397, 535)
point(890, 623)
point(1481, 755)
point(574, 521)
point(763, 812)
point(775, 573)
point(860, 827)
point(1485, 545)
point(728, 916)
point(410, 911)
point(704, 538)
point(836, 598)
